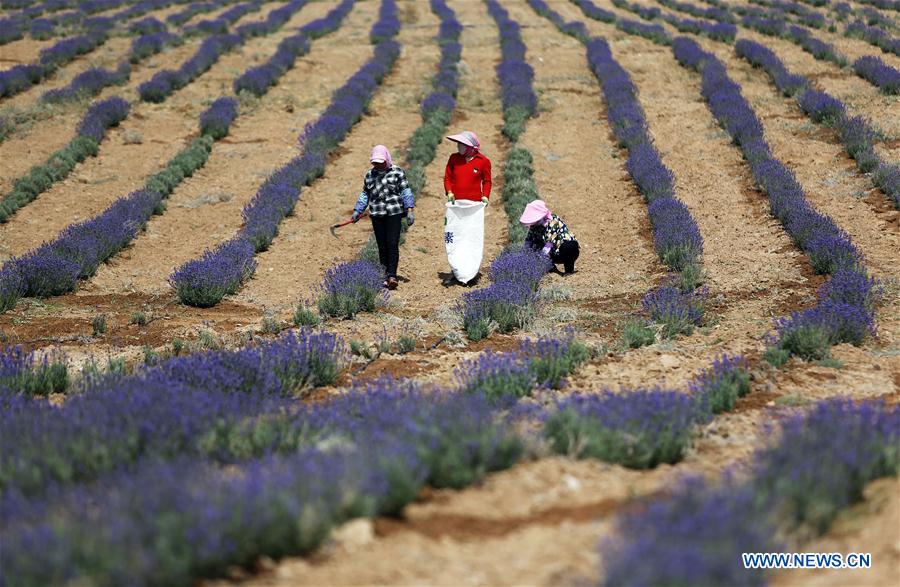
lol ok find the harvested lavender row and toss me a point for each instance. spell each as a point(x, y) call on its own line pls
point(257, 80)
point(516, 77)
point(855, 133)
point(711, 525)
point(436, 109)
point(845, 311)
point(203, 282)
point(166, 82)
point(40, 178)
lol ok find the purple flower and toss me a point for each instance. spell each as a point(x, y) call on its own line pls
point(821, 107)
point(635, 428)
point(218, 272)
point(677, 311)
point(217, 119)
point(350, 288)
point(525, 266)
point(103, 115)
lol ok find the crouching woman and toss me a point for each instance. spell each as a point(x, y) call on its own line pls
point(550, 235)
point(387, 195)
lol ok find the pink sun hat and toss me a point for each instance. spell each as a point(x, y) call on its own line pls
point(467, 138)
point(381, 154)
point(535, 212)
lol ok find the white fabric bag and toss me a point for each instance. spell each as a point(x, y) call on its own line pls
point(464, 238)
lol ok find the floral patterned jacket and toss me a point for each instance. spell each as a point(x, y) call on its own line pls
point(554, 232)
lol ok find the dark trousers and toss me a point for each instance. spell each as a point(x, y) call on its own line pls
point(568, 253)
point(387, 235)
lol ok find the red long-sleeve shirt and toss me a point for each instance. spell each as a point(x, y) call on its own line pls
point(468, 180)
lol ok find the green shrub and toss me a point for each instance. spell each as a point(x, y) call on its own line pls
point(637, 334)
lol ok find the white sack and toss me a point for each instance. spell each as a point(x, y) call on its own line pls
point(464, 238)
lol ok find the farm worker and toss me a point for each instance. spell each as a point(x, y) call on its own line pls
point(550, 235)
point(387, 195)
point(468, 172)
point(467, 183)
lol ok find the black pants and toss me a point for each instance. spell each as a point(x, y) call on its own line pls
point(387, 235)
point(568, 253)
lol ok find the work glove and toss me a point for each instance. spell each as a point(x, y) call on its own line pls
point(450, 197)
point(546, 250)
point(484, 200)
point(410, 217)
point(355, 216)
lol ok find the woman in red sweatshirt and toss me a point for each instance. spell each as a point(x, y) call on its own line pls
point(468, 172)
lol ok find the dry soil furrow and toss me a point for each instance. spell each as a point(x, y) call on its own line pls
point(123, 166)
point(579, 168)
point(423, 258)
point(208, 205)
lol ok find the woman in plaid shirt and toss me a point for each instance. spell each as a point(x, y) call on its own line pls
point(387, 195)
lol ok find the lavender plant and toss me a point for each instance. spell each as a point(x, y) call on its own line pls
point(678, 312)
point(351, 288)
point(638, 429)
point(718, 388)
point(218, 272)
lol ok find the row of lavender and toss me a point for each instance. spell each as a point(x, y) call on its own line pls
point(55, 267)
point(203, 282)
point(179, 431)
point(845, 311)
point(678, 306)
point(40, 178)
point(855, 133)
point(822, 108)
point(79, 20)
point(697, 532)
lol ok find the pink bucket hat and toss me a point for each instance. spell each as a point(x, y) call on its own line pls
point(380, 154)
point(467, 138)
point(535, 212)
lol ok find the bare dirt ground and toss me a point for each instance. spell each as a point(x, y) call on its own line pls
point(538, 523)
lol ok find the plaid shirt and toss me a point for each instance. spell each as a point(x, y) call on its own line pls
point(385, 192)
point(554, 232)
